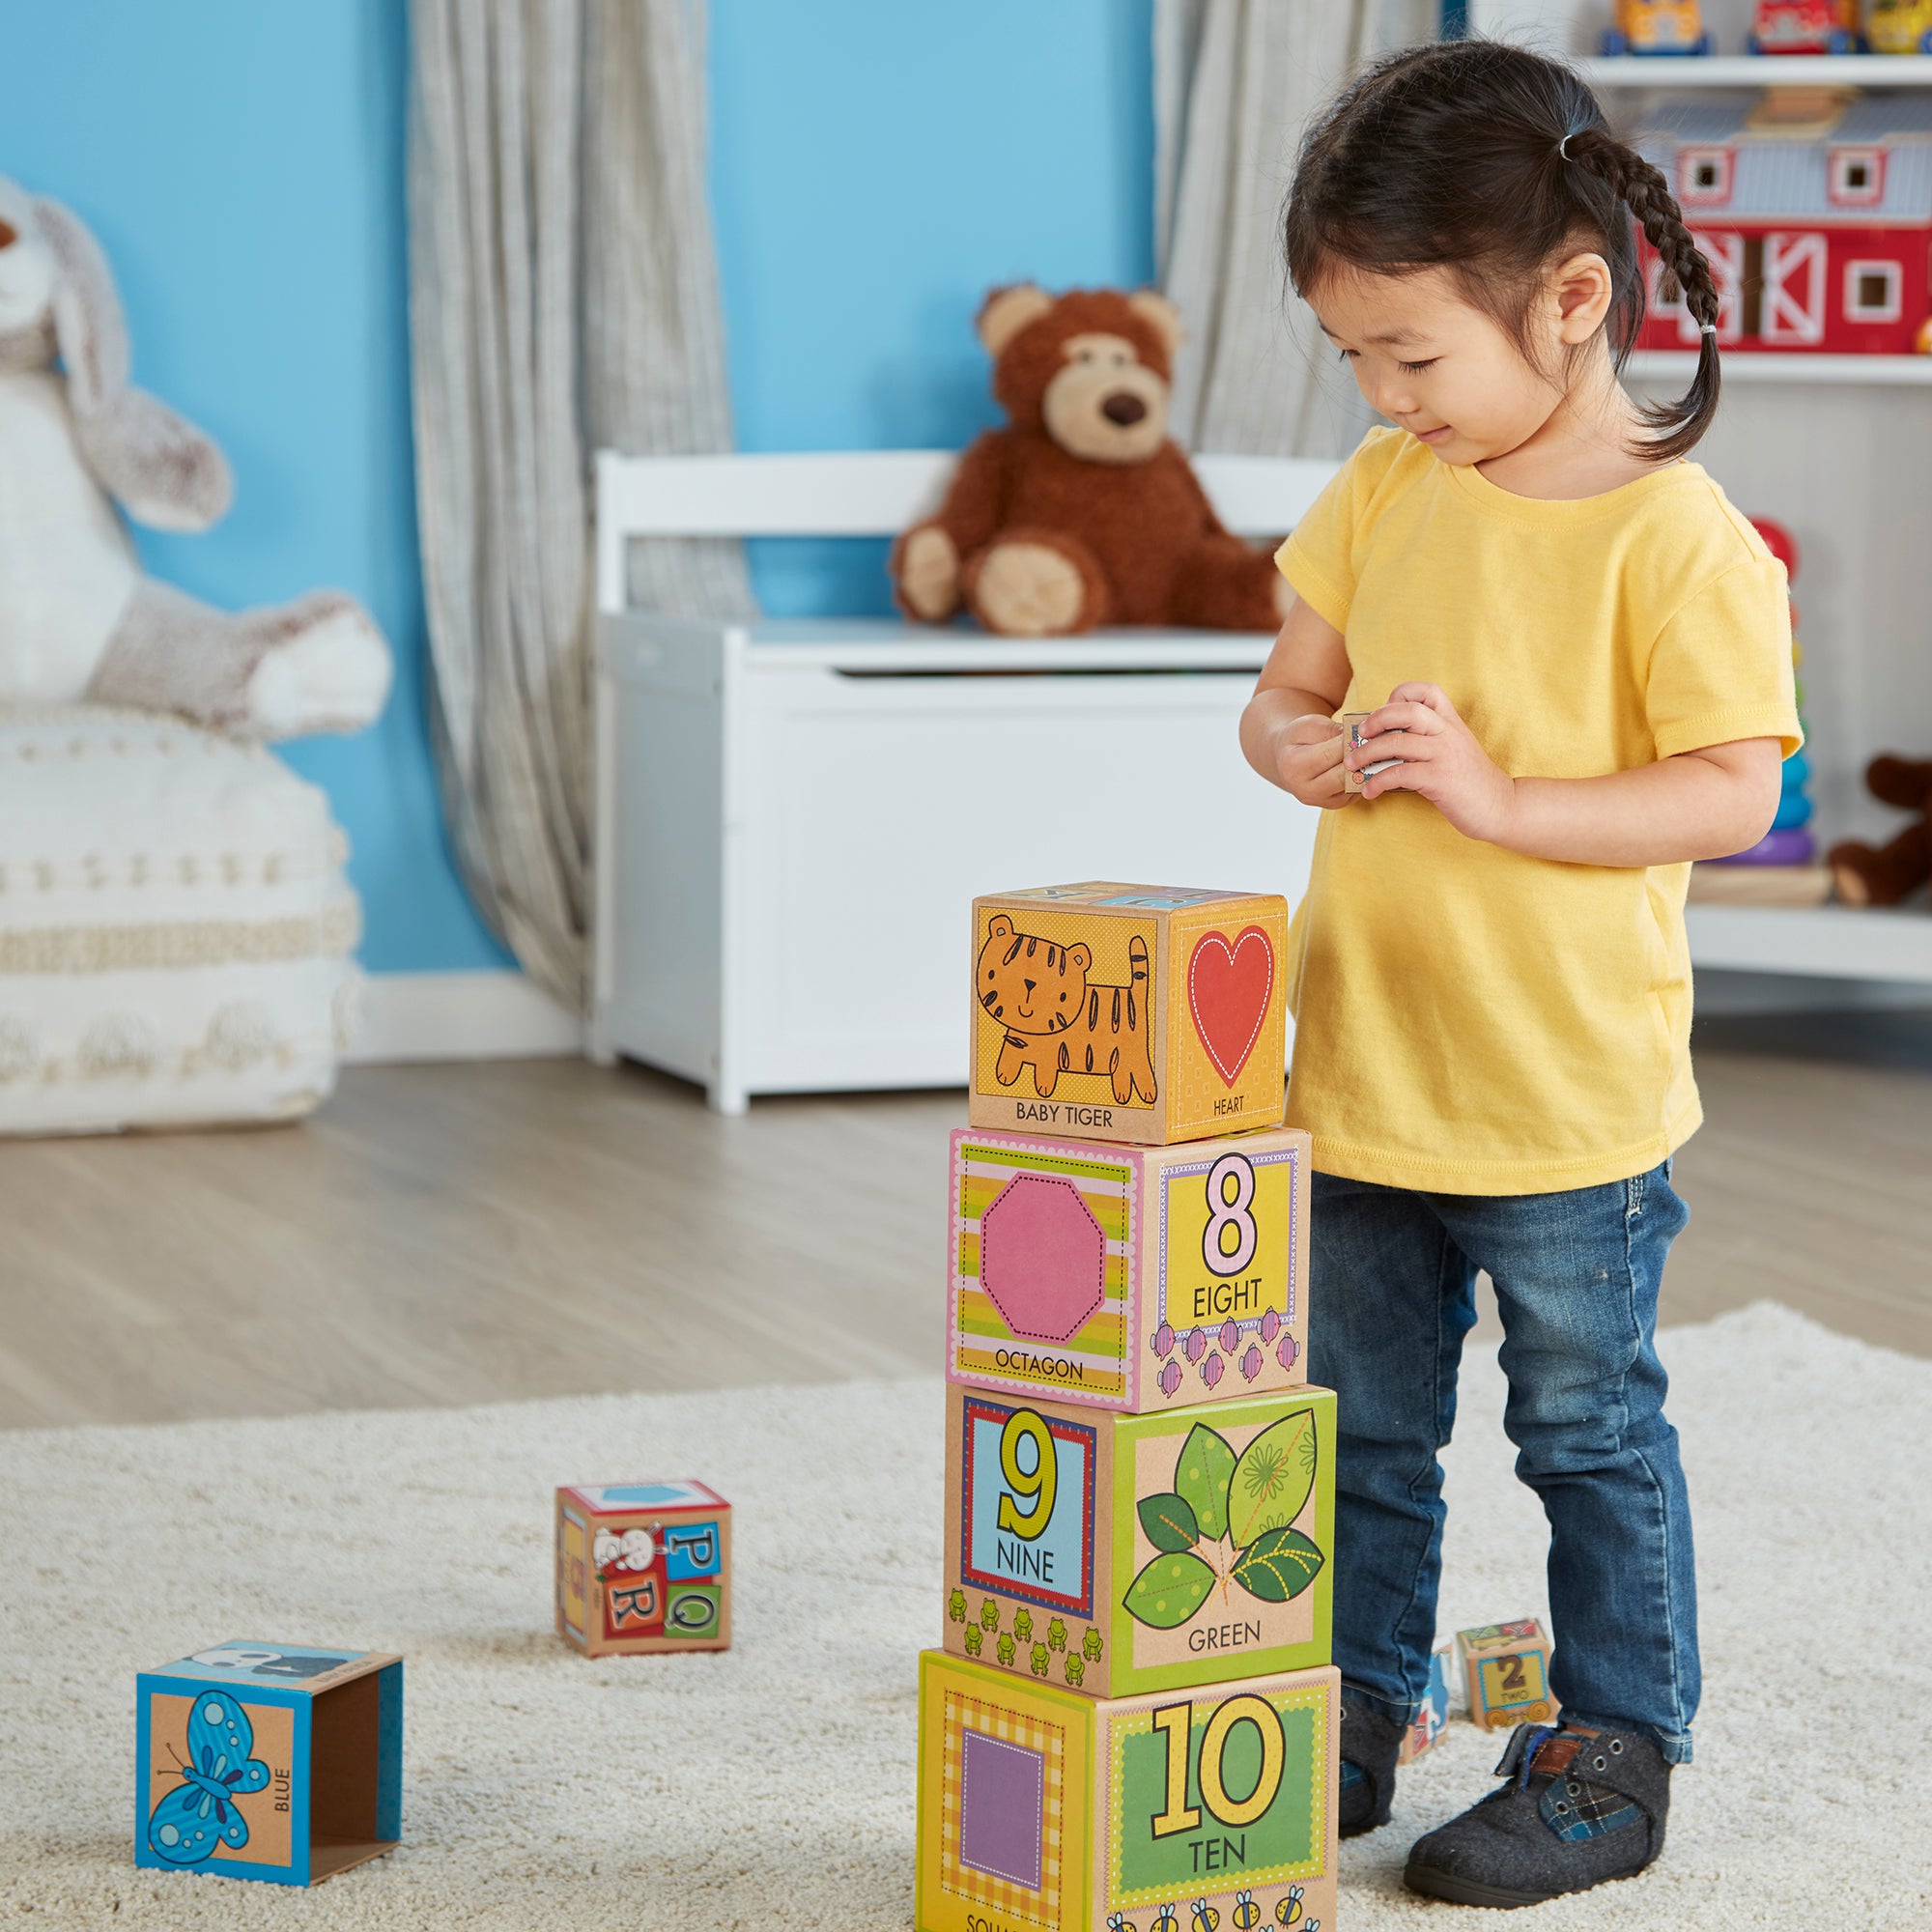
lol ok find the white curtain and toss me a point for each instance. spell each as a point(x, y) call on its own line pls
point(563, 298)
point(1234, 83)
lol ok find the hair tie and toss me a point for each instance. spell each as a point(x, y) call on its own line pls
point(1563, 147)
point(1706, 329)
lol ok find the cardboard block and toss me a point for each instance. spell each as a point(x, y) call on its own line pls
point(269, 1761)
point(1433, 1720)
point(1130, 1278)
point(643, 1566)
point(1139, 1014)
point(1121, 1554)
point(1506, 1669)
point(1352, 722)
point(1179, 1813)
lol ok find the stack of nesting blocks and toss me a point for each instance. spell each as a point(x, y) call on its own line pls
point(1133, 1721)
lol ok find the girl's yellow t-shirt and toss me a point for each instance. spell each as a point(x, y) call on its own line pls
point(1469, 1020)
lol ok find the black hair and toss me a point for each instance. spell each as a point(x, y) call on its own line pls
point(1491, 160)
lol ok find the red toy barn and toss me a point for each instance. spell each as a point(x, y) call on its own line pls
point(1822, 240)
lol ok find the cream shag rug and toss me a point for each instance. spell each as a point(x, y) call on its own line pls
point(771, 1787)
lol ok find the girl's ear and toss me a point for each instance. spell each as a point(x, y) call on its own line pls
point(1582, 289)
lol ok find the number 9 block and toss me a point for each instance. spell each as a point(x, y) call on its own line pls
point(643, 1566)
point(1130, 1278)
point(1210, 1806)
point(1119, 1554)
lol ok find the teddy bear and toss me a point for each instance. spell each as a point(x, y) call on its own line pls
point(1082, 511)
point(79, 621)
point(1883, 876)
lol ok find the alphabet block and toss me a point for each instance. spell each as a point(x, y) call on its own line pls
point(1354, 720)
point(643, 1566)
point(1506, 1667)
point(1433, 1720)
point(1204, 1807)
point(1139, 1014)
point(1130, 1278)
point(269, 1761)
point(1123, 1554)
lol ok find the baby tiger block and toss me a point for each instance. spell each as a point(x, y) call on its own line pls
point(1506, 1667)
point(1139, 1014)
point(1131, 1278)
point(1121, 1554)
point(1207, 1807)
point(643, 1566)
point(269, 1761)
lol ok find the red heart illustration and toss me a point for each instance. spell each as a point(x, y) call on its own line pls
point(1227, 989)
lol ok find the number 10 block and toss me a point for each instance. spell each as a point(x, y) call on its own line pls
point(1205, 1807)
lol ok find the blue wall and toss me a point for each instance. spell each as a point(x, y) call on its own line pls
point(875, 168)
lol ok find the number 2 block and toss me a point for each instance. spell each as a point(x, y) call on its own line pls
point(1131, 1278)
point(643, 1566)
point(1205, 1807)
point(1118, 1554)
point(1506, 1669)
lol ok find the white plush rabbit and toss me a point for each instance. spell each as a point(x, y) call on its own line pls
point(78, 619)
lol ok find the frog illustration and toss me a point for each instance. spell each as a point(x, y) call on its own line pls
point(1056, 1635)
point(973, 1640)
point(1039, 1659)
point(1090, 1646)
point(1076, 1671)
point(955, 1607)
point(989, 1614)
point(1023, 1623)
point(1004, 1649)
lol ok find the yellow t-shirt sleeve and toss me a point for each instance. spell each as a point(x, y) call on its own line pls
point(1319, 558)
point(1720, 668)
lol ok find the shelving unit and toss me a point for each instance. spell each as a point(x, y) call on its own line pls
point(1761, 70)
point(1831, 942)
point(1760, 366)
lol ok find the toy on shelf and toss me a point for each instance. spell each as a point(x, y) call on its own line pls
point(1821, 241)
point(643, 1566)
point(269, 1761)
point(1138, 1013)
point(1883, 876)
point(1083, 510)
point(1804, 27)
point(1899, 27)
point(1125, 1553)
point(1072, 1814)
point(1506, 1673)
point(1647, 27)
point(1130, 1278)
point(1433, 1720)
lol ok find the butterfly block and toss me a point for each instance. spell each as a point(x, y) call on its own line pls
point(1433, 1720)
point(1130, 1278)
point(643, 1566)
point(269, 1761)
point(1141, 1013)
point(1121, 1554)
point(1207, 1807)
point(1506, 1669)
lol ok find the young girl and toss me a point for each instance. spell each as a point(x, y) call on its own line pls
point(1578, 655)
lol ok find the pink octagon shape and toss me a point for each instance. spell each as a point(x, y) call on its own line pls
point(1042, 1257)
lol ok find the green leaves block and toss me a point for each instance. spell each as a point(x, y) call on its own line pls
point(1168, 1523)
point(1200, 1477)
point(1272, 1479)
point(1169, 1590)
point(1278, 1565)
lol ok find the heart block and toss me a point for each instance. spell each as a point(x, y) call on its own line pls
point(1143, 1015)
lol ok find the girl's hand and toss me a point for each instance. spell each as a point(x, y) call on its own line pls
point(1442, 761)
point(1308, 761)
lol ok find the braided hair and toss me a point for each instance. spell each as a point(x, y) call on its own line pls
point(1494, 161)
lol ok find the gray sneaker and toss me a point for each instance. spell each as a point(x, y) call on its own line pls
point(1578, 1807)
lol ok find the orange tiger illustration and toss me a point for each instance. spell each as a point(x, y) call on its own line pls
point(1057, 1020)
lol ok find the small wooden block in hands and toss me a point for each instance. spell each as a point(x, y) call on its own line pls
point(1351, 781)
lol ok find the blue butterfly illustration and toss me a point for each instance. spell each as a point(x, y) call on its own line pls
point(199, 1816)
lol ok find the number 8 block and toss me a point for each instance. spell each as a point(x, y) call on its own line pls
point(1202, 1807)
point(1131, 1278)
point(1116, 1555)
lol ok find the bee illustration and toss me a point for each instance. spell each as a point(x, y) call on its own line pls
point(1289, 1908)
point(955, 1607)
point(975, 1637)
point(1117, 1922)
point(1206, 1917)
point(1166, 1921)
point(1023, 1623)
point(1247, 1914)
point(989, 1614)
point(1004, 1649)
point(1056, 1635)
point(1038, 1660)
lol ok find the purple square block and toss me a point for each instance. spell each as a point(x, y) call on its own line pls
point(1003, 1789)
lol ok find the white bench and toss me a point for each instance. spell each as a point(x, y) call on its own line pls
point(792, 816)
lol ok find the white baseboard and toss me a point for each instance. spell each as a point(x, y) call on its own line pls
point(489, 1015)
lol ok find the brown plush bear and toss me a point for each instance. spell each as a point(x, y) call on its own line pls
point(1883, 876)
point(1082, 512)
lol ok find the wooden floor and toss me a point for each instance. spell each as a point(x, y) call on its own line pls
point(483, 1232)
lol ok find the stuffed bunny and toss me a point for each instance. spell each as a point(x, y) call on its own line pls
point(78, 619)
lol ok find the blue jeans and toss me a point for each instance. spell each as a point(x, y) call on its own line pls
point(1392, 1294)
